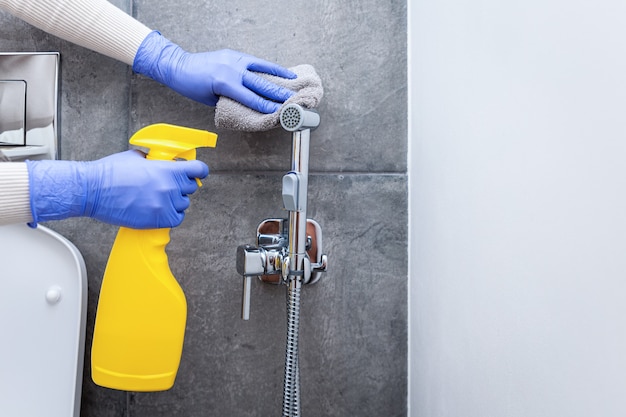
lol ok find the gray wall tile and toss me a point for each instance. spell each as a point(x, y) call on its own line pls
point(353, 323)
point(358, 48)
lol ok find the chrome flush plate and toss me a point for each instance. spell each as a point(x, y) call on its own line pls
point(29, 114)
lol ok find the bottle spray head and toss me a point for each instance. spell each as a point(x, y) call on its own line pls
point(294, 117)
point(170, 142)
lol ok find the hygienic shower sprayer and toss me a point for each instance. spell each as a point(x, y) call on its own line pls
point(293, 118)
point(285, 247)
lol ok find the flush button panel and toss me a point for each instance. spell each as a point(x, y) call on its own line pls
point(29, 122)
point(13, 112)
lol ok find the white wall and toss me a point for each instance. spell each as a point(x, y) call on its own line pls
point(518, 208)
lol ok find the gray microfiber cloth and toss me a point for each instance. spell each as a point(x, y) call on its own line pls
point(232, 115)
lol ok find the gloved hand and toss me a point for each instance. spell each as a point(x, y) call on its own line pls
point(123, 189)
point(205, 76)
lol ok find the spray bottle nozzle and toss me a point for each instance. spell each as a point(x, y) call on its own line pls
point(169, 142)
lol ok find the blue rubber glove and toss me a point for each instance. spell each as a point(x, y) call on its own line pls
point(205, 76)
point(123, 189)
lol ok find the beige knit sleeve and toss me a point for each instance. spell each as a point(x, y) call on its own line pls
point(14, 193)
point(94, 24)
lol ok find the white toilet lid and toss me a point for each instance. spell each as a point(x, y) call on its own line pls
point(42, 319)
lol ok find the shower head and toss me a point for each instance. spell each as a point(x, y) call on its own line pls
point(294, 117)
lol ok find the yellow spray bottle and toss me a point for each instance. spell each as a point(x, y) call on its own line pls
point(142, 311)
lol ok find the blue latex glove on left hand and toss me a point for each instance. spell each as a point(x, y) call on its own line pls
point(123, 189)
point(206, 76)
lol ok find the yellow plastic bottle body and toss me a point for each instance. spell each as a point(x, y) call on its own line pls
point(142, 311)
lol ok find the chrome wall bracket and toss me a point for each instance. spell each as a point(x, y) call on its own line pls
point(269, 260)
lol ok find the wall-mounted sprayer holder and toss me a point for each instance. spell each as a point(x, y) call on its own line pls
point(288, 251)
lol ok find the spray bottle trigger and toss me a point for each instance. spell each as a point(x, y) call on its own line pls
point(190, 155)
